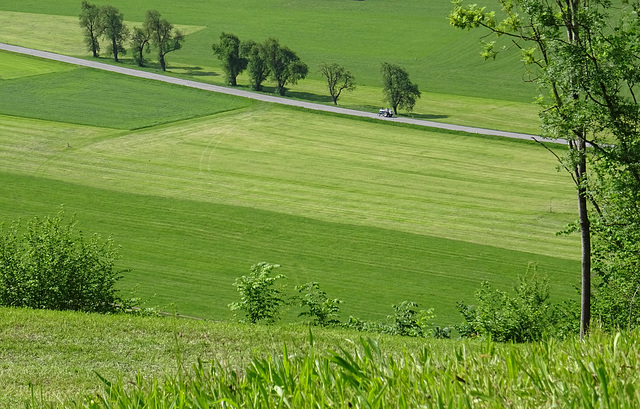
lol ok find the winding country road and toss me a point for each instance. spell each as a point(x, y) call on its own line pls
point(257, 96)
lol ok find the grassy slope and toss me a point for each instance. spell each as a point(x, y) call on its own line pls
point(340, 201)
point(59, 353)
point(123, 104)
point(360, 35)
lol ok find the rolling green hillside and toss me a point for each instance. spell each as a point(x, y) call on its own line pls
point(358, 34)
point(197, 187)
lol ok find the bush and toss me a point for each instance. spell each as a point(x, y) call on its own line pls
point(259, 299)
point(406, 321)
point(51, 266)
point(525, 317)
point(322, 311)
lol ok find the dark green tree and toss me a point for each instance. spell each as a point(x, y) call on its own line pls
point(338, 80)
point(583, 54)
point(163, 37)
point(140, 45)
point(228, 52)
point(114, 30)
point(284, 65)
point(257, 66)
point(91, 23)
point(398, 90)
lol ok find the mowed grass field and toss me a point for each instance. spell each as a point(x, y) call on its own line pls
point(457, 85)
point(375, 213)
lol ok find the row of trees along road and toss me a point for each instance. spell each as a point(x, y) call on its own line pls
point(108, 22)
point(270, 59)
point(263, 60)
point(584, 56)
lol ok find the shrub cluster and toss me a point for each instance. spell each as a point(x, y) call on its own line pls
point(51, 266)
point(526, 316)
point(261, 298)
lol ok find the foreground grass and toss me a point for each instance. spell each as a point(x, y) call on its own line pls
point(226, 365)
point(59, 353)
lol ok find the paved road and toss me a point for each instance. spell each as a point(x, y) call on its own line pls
point(256, 96)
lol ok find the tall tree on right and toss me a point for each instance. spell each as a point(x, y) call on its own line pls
point(584, 56)
point(91, 23)
point(398, 90)
point(163, 37)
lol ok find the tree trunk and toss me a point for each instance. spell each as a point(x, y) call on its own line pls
point(114, 44)
point(585, 236)
point(163, 64)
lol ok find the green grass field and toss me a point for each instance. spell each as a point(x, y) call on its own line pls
point(59, 354)
point(458, 87)
point(221, 183)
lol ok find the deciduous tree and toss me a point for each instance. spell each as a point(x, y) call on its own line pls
point(163, 36)
point(338, 80)
point(257, 66)
point(228, 52)
point(91, 23)
point(284, 65)
point(114, 30)
point(583, 54)
point(398, 90)
point(140, 45)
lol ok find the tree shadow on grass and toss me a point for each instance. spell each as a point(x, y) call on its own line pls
point(423, 116)
point(197, 72)
point(311, 97)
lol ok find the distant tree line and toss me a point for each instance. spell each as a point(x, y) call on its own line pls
point(107, 22)
point(262, 61)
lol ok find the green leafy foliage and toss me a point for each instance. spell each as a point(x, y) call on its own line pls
point(398, 90)
point(260, 299)
point(321, 310)
point(228, 52)
point(407, 320)
point(92, 27)
point(338, 80)
point(524, 317)
point(140, 45)
point(588, 75)
point(163, 36)
point(257, 66)
point(284, 65)
point(52, 266)
point(114, 30)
